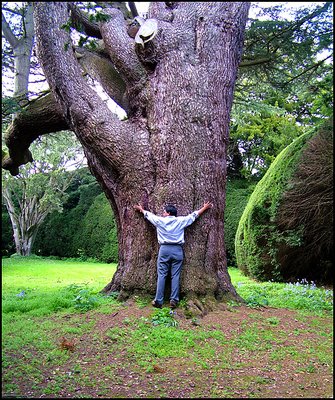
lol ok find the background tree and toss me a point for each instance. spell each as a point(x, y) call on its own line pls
point(18, 46)
point(285, 82)
point(39, 189)
point(172, 147)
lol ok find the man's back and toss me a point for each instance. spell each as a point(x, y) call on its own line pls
point(170, 229)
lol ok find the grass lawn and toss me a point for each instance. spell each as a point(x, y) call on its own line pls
point(61, 338)
point(20, 273)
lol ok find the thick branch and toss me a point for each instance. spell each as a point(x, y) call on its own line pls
point(121, 48)
point(100, 132)
point(82, 23)
point(133, 9)
point(99, 67)
point(41, 116)
point(29, 21)
point(258, 61)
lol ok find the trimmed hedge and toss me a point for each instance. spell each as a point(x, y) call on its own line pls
point(259, 239)
point(237, 196)
point(97, 237)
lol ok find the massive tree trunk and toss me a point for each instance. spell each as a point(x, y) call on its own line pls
point(178, 89)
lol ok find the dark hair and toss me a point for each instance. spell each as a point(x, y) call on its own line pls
point(171, 209)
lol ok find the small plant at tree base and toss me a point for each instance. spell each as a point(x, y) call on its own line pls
point(165, 317)
point(114, 295)
point(84, 300)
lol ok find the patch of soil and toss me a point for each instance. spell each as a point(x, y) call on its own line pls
point(287, 362)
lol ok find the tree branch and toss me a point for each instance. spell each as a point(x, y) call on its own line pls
point(28, 21)
point(82, 23)
point(100, 68)
point(260, 61)
point(39, 117)
point(115, 143)
point(121, 48)
point(8, 34)
point(133, 9)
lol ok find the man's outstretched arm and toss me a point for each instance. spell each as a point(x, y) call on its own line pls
point(205, 207)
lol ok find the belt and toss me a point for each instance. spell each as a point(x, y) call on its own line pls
point(171, 244)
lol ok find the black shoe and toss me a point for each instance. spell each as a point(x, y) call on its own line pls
point(173, 304)
point(155, 304)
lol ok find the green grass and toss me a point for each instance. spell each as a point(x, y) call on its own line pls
point(58, 293)
point(296, 296)
point(36, 272)
point(55, 285)
point(52, 285)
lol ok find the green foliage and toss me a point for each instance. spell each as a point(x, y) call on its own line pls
point(285, 59)
point(299, 295)
point(97, 237)
point(40, 187)
point(10, 105)
point(86, 229)
point(305, 216)
point(99, 17)
point(237, 195)
point(165, 317)
point(84, 300)
point(55, 236)
point(256, 230)
point(277, 242)
point(7, 243)
point(261, 133)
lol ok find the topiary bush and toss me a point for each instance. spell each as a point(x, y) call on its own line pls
point(305, 214)
point(56, 235)
point(237, 195)
point(7, 234)
point(284, 232)
point(97, 237)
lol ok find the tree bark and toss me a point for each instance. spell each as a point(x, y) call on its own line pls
point(179, 90)
point(22, 49)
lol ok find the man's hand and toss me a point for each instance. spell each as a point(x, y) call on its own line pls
point(139, 208)
point(205, 207)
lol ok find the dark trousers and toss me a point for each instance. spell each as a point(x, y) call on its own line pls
point(170, 258)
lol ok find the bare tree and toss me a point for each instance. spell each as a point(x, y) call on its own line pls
point(175, 79)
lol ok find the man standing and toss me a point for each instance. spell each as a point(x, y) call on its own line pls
point(170, 235)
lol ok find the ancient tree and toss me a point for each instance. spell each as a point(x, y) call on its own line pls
point(175, 79)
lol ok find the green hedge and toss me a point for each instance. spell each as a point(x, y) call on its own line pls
point(255, 254)
point(56, 235)
point(237, 196)
point(97, 237)
point(261, 245)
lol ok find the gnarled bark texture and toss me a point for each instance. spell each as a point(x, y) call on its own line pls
point(178, 92)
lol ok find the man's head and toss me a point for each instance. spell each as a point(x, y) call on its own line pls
point(171, 210)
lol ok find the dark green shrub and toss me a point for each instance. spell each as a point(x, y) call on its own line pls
point(97, 237)
point(267, 247)
point(56, 235)
point(7, 240)
point(237, 196)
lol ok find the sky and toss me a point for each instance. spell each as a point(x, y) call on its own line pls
point(142, 7)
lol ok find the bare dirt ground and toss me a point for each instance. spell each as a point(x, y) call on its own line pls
point(290, 358)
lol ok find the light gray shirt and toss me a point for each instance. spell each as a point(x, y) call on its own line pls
point(170, 229)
